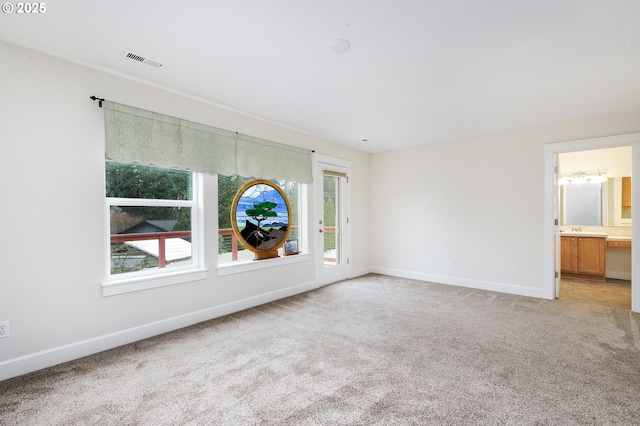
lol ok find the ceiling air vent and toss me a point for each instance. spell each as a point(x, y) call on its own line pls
point(142, 59)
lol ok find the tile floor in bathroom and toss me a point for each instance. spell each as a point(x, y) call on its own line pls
point(613, 293)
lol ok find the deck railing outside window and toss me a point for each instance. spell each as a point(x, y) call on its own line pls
point(163, 236)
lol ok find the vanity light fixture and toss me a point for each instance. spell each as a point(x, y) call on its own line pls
point(581, 177)
point(598, 178)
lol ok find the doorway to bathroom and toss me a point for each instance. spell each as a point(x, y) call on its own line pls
point(597, 266)
point(594, 201)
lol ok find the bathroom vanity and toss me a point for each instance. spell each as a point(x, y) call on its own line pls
point(583, 255)
point(595, 256)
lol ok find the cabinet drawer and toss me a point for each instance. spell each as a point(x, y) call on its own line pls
point(619, 244)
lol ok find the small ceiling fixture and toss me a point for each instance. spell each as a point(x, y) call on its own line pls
point(340, 45)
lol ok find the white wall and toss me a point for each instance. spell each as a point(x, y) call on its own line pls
point(487, 196)
point(479, 202)
point(52, 177)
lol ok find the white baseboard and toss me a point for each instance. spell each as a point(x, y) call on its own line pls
point(359, 272)
point(39, 360)
point(463, 282)
point(619, 275)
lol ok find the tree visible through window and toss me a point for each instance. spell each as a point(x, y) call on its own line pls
point(151, 212)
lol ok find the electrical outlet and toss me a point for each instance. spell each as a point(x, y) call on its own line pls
point(4, 329)
point(450, 263)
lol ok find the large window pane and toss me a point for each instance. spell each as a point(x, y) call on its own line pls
point(152, 237)
point(151, 213)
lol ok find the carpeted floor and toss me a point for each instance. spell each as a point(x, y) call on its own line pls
point(374, 350)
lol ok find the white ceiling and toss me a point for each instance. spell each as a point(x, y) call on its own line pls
point(418, 71)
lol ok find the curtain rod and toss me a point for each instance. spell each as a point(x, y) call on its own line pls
point(100, 100)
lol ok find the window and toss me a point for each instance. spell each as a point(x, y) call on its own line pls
point(153, 226)
point(229, 249)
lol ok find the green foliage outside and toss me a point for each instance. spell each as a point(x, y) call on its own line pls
point(228, 186)
point(128, 259)
point(135, 181)
point(329, 211)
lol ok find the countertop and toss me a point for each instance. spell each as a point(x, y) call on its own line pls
point(582, 234)
point(594, 234)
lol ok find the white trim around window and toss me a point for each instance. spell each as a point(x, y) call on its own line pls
point(153, 278)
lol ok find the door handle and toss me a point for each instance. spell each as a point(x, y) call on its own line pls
point(320, 231)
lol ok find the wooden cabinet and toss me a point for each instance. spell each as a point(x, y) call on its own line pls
point(626, 192)
point(583, 257)
point(591, 256)
point(618, 244)
point(568, 254)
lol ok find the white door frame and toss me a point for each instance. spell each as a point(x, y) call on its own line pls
point(556, 220)
point(551, 236)
point(329, 274)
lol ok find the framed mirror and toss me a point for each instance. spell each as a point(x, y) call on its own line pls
point(583, 204)
point(260, 216)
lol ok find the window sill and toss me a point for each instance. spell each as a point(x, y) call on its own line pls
point(253, 265)
point(129, 285)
